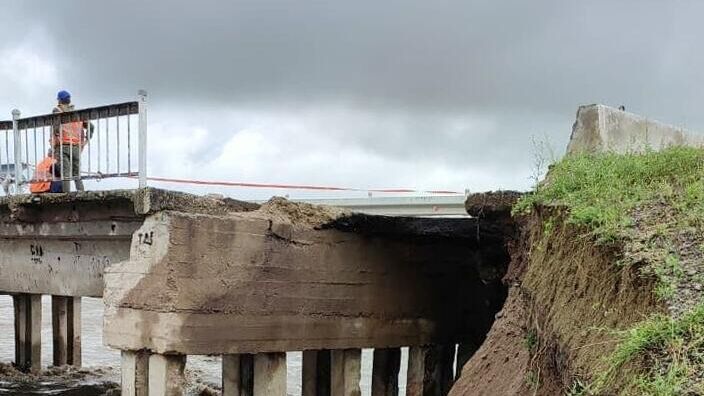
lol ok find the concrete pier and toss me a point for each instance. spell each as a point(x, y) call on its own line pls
point(270, 374)
point(345, 372)
point(430, 370)
point(28, 331)
point(166, 375)
point(135, 373)
point(246, 374)
point(66, 330)
point(385, 367)
point(231, 378)
point(316, 373)
point(415, 376)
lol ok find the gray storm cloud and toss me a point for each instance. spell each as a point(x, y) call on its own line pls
point(545, 55)
point(456, 82)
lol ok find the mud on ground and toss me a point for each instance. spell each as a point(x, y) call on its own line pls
point(64, 381)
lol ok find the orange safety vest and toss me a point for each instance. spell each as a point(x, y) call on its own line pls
point(42, 176)
point(71, 134)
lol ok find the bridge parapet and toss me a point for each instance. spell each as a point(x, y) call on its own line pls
point(600, 128)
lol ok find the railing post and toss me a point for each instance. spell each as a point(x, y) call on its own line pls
point(18, 148)
point(142, 94)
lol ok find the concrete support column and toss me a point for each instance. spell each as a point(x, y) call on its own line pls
point(270, 374)
point(231, 379)
point(430, 370)
point(166, 375)
point(73, 332)
point(28, 331)
point(345, 372)
point(316, 373)
point(387, 362)
point(238, 375)
point(246, 375)
point(415, 376)
point(66, 330)
point(135, 373)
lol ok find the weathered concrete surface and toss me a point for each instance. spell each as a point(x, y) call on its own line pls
point(316, 373)
point(166, 375)
point(430, 370)
point(59, 244)
point(201, 284)
point(66, 330)
point(28, 331)
point(345, 372)
point(601, 128)
point(231, 375)
point(134, 372)
point(385, 368)
point(270, 374)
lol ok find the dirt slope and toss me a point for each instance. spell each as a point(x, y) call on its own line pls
point(606, 283)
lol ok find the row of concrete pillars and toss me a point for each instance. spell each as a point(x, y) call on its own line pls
point(66, 331)
point(325, 372)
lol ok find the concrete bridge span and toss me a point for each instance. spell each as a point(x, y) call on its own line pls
point(187, 275)
point(60, 244)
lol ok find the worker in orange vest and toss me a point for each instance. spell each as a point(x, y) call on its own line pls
point(68, 140)
point(44, 173)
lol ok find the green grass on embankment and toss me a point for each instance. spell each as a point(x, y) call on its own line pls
point(644, 203)
point(602, 190)
point(669, 352)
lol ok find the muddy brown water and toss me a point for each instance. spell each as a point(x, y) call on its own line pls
point(103, 363)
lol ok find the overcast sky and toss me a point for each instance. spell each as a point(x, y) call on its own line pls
point(370, 94)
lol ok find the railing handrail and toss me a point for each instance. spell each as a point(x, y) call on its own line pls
point(87, 114)
point(18, 132)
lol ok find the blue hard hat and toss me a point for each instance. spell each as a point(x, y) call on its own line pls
point(63, 95)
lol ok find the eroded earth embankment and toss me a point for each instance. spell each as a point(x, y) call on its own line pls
point(605, 283)
point(564, 293)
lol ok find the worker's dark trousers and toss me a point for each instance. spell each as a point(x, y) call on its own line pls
point(69, 163)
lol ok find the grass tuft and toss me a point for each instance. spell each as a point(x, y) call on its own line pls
point(602, 190)
point(671, 348)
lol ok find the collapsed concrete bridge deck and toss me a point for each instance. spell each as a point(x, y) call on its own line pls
point(187, 275)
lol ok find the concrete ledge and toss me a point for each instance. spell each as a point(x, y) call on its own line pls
point(134, 203)
point(60, 244)
point(600, 128)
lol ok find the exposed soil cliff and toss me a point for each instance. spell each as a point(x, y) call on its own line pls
point(605, 283)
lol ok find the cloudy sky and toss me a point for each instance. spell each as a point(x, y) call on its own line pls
point(369, 94)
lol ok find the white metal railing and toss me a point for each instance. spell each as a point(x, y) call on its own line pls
point(113, 143)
